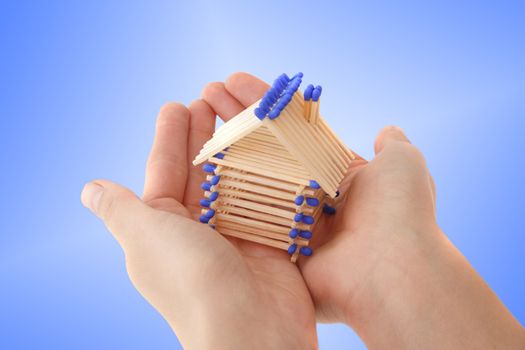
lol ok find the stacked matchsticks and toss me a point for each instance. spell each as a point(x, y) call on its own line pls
point(274, 170)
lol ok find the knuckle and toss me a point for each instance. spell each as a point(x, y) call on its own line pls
point(110, 205)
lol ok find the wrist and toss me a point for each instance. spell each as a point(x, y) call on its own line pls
point(239, 321)
point(397, 287)
point(428, 296)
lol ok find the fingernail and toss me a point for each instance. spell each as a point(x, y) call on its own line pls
point(91, 196)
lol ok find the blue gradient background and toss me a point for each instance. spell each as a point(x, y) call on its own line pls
point(81, 83)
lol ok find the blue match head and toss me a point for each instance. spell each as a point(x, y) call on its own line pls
point(273, 95)
point(328, 209)
point(265, 104)
point(313, 202)
point(306, 234)
point(298, 217)
point(292, 87)
point(274, 113)
point(209, 168)
point(284, 77)
point(307, 219)
point(205, 203)
point(259, 113)
point(298, 75)
point(281, 104)
point(299, 200)
point(287, 97)
point(306, 251)
point(206, 186)
point(219, 155)
point(292, 248)
point(308, 92)
point(293, 233)
point(314, 184)
point(210, 213)
point(317, 93)
point(204, 219)
point(215, 180)
point(213, 196)
point(278, 84)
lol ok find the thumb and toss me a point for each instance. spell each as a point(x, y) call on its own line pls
point(389, 134)
point(123, 213)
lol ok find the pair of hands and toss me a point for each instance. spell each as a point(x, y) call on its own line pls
point(381, 264)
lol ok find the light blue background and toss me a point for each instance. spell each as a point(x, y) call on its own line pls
point(81, 83)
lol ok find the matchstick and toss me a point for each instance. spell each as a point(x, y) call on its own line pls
point(223, 217)
point(272, 192)
point(316, 93)
point(259, 207)
point(307, 102)
point(262, 180)
point(263, 171)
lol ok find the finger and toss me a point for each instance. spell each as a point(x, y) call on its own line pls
point(202, 126)
point(167, 168)
point(321, 236)
point(246, 88)
point(123, 213)
point(351, 172)
point(139, 228)
point(389, 134)
point(221, 101)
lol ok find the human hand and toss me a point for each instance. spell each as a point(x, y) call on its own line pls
point(215, 292)
point(383, 266)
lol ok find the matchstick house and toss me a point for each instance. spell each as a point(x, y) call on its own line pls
point(274, 169)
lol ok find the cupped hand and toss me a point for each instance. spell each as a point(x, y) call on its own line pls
point(383, 266)
point(215, 292)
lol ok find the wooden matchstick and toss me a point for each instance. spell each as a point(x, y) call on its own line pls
point(263, 171)
point(240, 155)
point(256, 215)
point(255, 238)
point(260, 198)
point(326, 140)
point(258, 207)
point(289, 124)
point(262, 180)
point(255, 231)
point(269, 191)
point(229, 217)
point(331, 166)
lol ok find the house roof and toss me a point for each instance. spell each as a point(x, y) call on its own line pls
point(314, 144)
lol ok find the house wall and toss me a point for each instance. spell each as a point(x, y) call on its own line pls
point(257, 192)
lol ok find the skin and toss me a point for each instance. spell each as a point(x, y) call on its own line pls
point(381, 264)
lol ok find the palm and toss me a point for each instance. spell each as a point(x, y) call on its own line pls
point(173, 185)
point(338, 244)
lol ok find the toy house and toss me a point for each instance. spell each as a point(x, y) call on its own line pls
point(274, 169)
